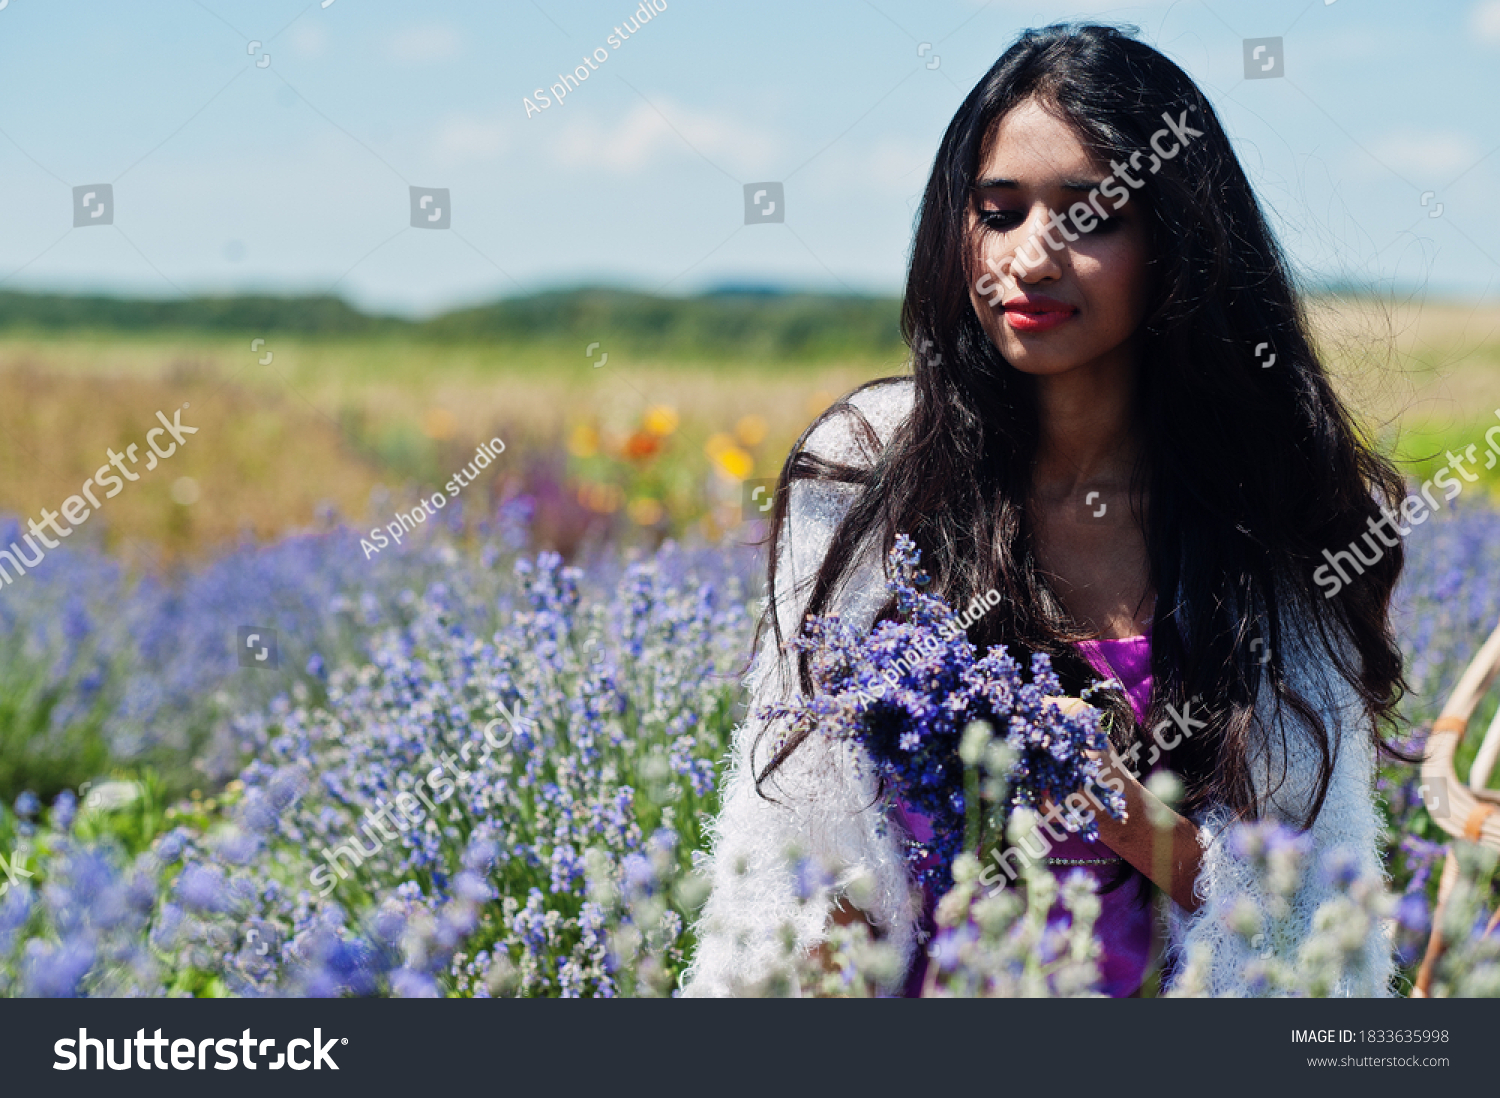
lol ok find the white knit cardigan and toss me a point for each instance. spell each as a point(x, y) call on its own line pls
point(824, 797)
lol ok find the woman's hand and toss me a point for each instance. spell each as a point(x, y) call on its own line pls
point(844, 913)
point(1168, 854)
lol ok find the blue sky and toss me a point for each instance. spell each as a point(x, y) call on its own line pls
point(294, 175)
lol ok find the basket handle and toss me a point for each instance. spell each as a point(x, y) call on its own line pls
point(1465, 810)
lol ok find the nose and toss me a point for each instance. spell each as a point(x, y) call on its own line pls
point(1034, 260)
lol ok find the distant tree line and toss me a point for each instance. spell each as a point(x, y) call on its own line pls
point(737, 322)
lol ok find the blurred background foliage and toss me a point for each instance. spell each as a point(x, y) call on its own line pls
point(357, 415)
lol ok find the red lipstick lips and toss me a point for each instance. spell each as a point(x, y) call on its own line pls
point(1036, 312)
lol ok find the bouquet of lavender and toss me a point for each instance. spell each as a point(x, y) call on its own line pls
point(909, 689)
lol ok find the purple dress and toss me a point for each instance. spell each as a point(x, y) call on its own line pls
point(1123, 928)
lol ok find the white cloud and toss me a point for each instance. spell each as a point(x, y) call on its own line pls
point(900, 163)
point(463, 139)
point(308, 40)
point(1424, 156)
point(644, 134)
point(642, 139)
point(424, 45)
point(1485, 19)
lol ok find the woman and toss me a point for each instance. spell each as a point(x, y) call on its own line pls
point(1117, 421)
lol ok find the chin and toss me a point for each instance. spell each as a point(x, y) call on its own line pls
point(1045, 355)
point(1042, 362)
point(1041, 365)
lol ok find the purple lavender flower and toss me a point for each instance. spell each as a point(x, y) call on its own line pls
point(56, 971)
point(202, 888)
point(407, 984)
point(1413, 923)
point(64, 808)
point(908, 690)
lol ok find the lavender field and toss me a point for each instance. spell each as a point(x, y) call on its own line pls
point(475, 770)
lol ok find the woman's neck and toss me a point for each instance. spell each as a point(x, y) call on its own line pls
point(1086, 520)
point(1087, 434)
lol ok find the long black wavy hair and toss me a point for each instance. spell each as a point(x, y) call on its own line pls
point(1250, 472)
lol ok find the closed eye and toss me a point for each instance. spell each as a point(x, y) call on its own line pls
point(1000, 220)
point(1101, 225)
point(1007, 220)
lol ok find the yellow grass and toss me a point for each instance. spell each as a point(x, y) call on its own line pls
point(328, 421)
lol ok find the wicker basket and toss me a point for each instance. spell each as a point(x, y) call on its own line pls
point(1465, 810)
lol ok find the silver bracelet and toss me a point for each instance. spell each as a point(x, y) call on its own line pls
point(1083, 861)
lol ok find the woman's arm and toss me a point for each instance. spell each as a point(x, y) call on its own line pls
point(1217, 960)
point(1168, 851)
point(770, 901)
point(844, 913)
point(823, 798)
point(1169, 855)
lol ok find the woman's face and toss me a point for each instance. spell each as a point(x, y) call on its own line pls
point(1052, 306)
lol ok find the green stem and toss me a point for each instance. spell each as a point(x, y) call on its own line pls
point(973, 810)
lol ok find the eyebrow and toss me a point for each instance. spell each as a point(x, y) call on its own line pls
point(1083, 186)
